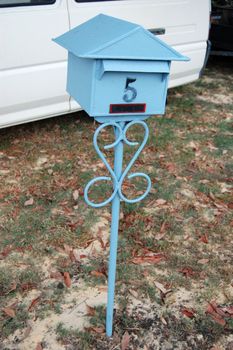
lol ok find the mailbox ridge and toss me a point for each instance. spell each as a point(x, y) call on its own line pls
point(109, 37)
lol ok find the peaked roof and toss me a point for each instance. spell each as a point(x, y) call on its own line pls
point(109, 37)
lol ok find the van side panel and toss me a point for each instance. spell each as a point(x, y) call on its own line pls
point(32, 67)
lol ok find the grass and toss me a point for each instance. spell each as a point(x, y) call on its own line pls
point(188, 157)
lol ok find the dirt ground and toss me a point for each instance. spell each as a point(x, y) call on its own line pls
point(174, 287)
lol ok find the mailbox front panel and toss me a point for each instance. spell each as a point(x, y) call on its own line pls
point(129, 93)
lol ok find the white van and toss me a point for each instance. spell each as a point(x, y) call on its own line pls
point(33, 67)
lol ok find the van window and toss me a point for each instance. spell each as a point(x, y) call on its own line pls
point(15, 3)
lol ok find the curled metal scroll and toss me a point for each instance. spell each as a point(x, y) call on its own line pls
point(120, 132)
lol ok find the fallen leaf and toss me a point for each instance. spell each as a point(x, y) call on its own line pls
point(103, 246)
point(161, 287)
point(228, 310)
point(6, 251)
point(204, 181)
point(67, 279)
point(9, 312)
point(171, 167)
point(99, 330)
point(163, 291)
point(133, 293)
point(76, 255)
point(33, 303)
point(187, 272)
point(73, 256)
point(75, 195)
point(163, 320)
point(41, 160)
point(12, 288)
point(187, 193)
point(221, 310)
point(193, 146)
point(218, 319)
point(216, 313)
point(29, 202)
point(97, 274)
point(27, 286)
point(204, 239)
point(125, 341)
point(151, 259)
point(160, 201)
point(90, 310)
point(203, 261)
point(67, 249)
point(162, 232)
point(27, 332)
point(39, 347)
point(83, 256)
point(56, 275)
point(188, 312)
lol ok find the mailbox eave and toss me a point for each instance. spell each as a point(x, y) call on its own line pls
point(106, 37)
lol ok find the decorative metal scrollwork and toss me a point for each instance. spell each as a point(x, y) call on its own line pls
point(120, 130)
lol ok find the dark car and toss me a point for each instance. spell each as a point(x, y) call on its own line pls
point(221, 31)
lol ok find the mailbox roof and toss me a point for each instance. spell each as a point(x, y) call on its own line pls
point(112, 38)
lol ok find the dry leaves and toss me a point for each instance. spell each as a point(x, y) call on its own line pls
point(150, 258)
point(204, 239)
point(33, 303)
point(97, 273)
point(160, 202)
point(9, 312)
point(99, 330)
point(187, 272)
point(125, 341)
point(203, 261)
point(219, 313)
point(163, 291)
point(56, 275)
point(39, 347)
point(6, 251)
point(67, 279)
point(29, 202)
point(162, 231)
point(75, 195)
point(90, 310)
point(188, 312)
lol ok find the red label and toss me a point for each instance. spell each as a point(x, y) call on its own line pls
point(127, 108)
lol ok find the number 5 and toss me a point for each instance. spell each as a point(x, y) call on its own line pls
point(130, 93)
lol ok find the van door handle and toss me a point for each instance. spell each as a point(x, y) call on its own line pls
point(158, 31)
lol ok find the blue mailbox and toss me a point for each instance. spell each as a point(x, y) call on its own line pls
point(117, 68)
point(118, 73)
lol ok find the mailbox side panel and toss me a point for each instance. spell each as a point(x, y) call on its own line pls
point(150, 90)
point(79, 80)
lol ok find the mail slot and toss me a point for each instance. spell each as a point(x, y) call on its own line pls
point(117, 68)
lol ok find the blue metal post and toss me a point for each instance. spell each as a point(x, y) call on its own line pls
point(118, 160)
point(117, 177)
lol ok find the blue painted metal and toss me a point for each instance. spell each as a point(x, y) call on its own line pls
point(117, 177)
point(118, 160)
point(113, 38)
point(118, 72)
point(117, 181)
point(105, 52)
